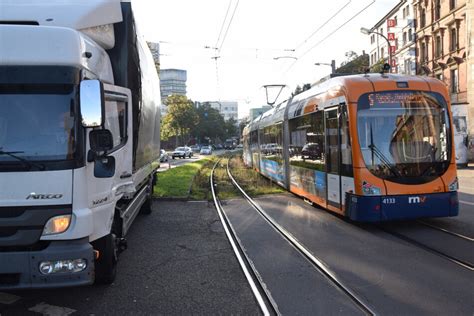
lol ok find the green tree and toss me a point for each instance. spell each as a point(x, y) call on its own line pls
point(231, 128)
point(354, 64)
point(211, 123)
point(180, 119)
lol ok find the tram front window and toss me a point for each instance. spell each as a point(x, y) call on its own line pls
point(404, 136)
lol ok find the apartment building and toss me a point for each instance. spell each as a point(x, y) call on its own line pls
point(441, 45)
point(394, 36)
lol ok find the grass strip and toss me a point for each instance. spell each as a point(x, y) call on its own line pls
point(175, 183)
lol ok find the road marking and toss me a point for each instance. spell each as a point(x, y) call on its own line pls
point(466, 202)
point(8, 299)
point(50, 310)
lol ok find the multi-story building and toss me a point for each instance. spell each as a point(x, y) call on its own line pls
point(398, 27)
point(470, 70)
point(228, 109)
point(155, 52)
point(172, 81)
point(441, 43)
point(255, 112)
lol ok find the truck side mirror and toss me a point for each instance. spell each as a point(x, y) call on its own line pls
point(101, 140)
point(91, 97)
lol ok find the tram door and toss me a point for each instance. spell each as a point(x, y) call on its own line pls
point(333, 149)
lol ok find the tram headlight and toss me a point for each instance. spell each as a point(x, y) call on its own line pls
point(454, 186)
point(370, 189)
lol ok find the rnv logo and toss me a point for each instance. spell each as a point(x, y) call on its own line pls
point(416, 199)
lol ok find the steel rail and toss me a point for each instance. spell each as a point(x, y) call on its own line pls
point(432, 250)
point(445, 230)
point(232, 240)
point(321, 266)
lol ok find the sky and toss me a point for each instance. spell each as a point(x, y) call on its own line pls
point(256, 42)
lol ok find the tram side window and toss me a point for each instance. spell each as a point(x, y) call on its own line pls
point(346, 148)
point(253, 140)
point(261, 140)
point(307, 141)
point(273, 142)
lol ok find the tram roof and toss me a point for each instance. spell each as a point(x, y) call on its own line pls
point(333, 86)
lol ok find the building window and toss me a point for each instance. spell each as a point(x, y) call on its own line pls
point(408, 10)
point(454, 39)
point(422, 52)
point(437, 9)
point(439, 76)
point(454, 81)
point(422, 18)
point(372, 39)
point(404, 38)
point(438, 47)
point(410, 35)
point(381, 30)
point(404, 12)
point(381, 52)
point(452, 4)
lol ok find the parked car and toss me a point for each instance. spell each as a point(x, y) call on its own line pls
point(206, 150)
point(195, 148)
point(311, 151)
point(271, 149)
point(163, 156)
point(219, 146)
point(182, 152)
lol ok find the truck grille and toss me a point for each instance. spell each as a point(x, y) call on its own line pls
point(22, 226)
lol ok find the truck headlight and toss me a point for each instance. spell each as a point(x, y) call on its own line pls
point(57, 225)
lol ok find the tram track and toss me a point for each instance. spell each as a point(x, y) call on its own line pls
point(449, 245)
point(317, 263)
point(445, 230)
point(263, 298)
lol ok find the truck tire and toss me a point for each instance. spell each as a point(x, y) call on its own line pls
point(146, 207)
point(106, 264)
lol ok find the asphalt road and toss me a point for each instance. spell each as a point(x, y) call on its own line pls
point(178, 261)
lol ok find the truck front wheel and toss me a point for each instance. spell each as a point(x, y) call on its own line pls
point(146, 207)
point(106, 264)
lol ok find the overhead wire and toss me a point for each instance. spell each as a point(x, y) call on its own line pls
point(323, 25)
point(330, 34)
point(223, 23)
point(228, 26)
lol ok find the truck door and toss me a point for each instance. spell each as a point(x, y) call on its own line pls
point(333, 149)
point(103, 191)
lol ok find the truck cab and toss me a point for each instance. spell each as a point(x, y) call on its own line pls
point(79, 139)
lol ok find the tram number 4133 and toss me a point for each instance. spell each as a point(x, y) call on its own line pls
point(388, 201)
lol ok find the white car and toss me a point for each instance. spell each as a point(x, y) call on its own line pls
point(182, 152)
point(206, 150)
point(163, 156)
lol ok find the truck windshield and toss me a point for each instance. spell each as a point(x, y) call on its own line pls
point(404, 136)
point(37, 123)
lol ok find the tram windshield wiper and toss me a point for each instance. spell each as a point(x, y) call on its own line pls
point(374, 149)
point(24, 161)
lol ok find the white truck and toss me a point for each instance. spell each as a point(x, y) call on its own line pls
point(79, 139)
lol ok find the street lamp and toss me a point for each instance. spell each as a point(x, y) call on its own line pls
point(332, 65)
point(366, 31)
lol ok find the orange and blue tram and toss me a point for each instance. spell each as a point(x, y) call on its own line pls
point(370, 147)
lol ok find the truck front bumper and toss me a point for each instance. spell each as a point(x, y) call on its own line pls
point(20, 269)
